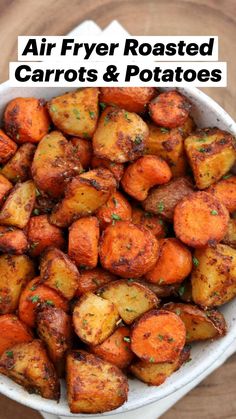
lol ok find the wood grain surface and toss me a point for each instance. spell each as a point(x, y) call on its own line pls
point(215, 397)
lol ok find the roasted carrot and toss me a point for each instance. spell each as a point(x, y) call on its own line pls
point(13, 331)
point(133, 99)
point(5, 187)
point(7, 147)
point(158, 337)
point(116, 208)
point(169, 109)
point(90, 280)
point(225, 191)
point(117, 169)
point(150, 221)
point(12, 240)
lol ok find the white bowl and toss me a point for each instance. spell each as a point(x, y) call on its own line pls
point(207, 113)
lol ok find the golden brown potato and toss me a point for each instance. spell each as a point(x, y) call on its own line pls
point(116, 208)
point(43, 203)
point(54, 164)
point(230, 237)
point(161, 291)
point(168, 144)
point(188, 127)
point(28, 365)
point(117, 169)
point(214, 276)
point(128, 250)
point(211, 154)
point(225, 191)
point(18, 206)
point(58, 272)
point(120, 135)
point(156, 374)
point(13, 331)
point(94, 318)
point(41, 234)
point(7, 147)
point(131, 299)
point(150, 221)
point(94, 374)
point(174, 263)
point(12, 241)
point(18, 168)
point(5, 187)
point(76, 113)
point(163, 199)
point(83, 196)
point(83, 242)
point(26, 120)
point(92, 279)
point(54, 329)
point(169, 109)
point(83, 150)
point(200, 220)
point(143, 174)
point(15, 272)
point(200, 325)
point(133, 99)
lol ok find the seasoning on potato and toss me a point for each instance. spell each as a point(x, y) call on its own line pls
point(117, 169)
point(83, 150)
point(18, 168)
point(5, 187)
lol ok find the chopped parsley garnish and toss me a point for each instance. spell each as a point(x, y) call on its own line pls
point(151, 359)
point(195, 261)
point(130, 310)
point(115, 217)
point(106, 119)
point(161, 337)
point(92, 114)
point(126, 338)
point(102, 105)
point(115, 202)
point(35, 298)
point(36, 211)
point(138, 139)
point(53, 108)
point(50, 303)
point(160, 206)
point(76, 113)
point(126, 117)
point(181, 290)
point(227, 176)
point(164, 130)
point(9, 354)
point(214, 212)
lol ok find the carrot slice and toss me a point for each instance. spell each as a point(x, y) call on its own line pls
point(35, 295)
point(158, 337)
point(169, 109)
point(225, 191)
point(13, 331)
point(91, 279)
point(200, 220)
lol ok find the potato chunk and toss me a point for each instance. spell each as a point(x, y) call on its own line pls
point(200, 325)
point(84, 195)
point(128, 250)
point(93, 373)
point(76, 113)
point(15, 272)
point(83, 150)
point(54, 164)
point(214, 276)
point(19, 205)
point(18, 168)
point(211, 154)
point(92, 279)
point(120, 135)
point(5, 187)
point(94, 318)
point(230, 236)
point(117, 169)
point(28, 365)
point(13, 241)
point(58, 272)
point(130, 298)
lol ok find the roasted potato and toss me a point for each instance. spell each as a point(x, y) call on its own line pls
point(54, 164)
point(117, 169)
point(214, 276)
point(13, 331)
point(116, 348)
point(200, 324)
point(58, 272)
point(225, 191)
point(143, 174)
point(150, 221)
point(18, 168)
point(13, 240)
point(120, 136)
point(5, 187)
point(168, 144)
point(54, 329)
point(83, 242)
point(28, 365)
point(92, 279)
point(128, 250)
point(156, 374)
point(188, 127)
point(83, 196)
point(116, 208)
point(131, 299)
point(211, 154)
point(76, 113)
point(158, 336)
point(230, 236)
point(15, 272)
point(163, 199)
point(94, 318)
point(174, 263)
point(200, 220)
point(41, 234)
point(169, 109)
point(43, 203)
point(93, 373)
point(161, 291)
point(35, 296)
point(83, 150)
point(133, 99)
point(18, 206)
point(26, 120)
point(7, 147)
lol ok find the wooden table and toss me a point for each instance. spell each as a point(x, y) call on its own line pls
point(215, 397)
